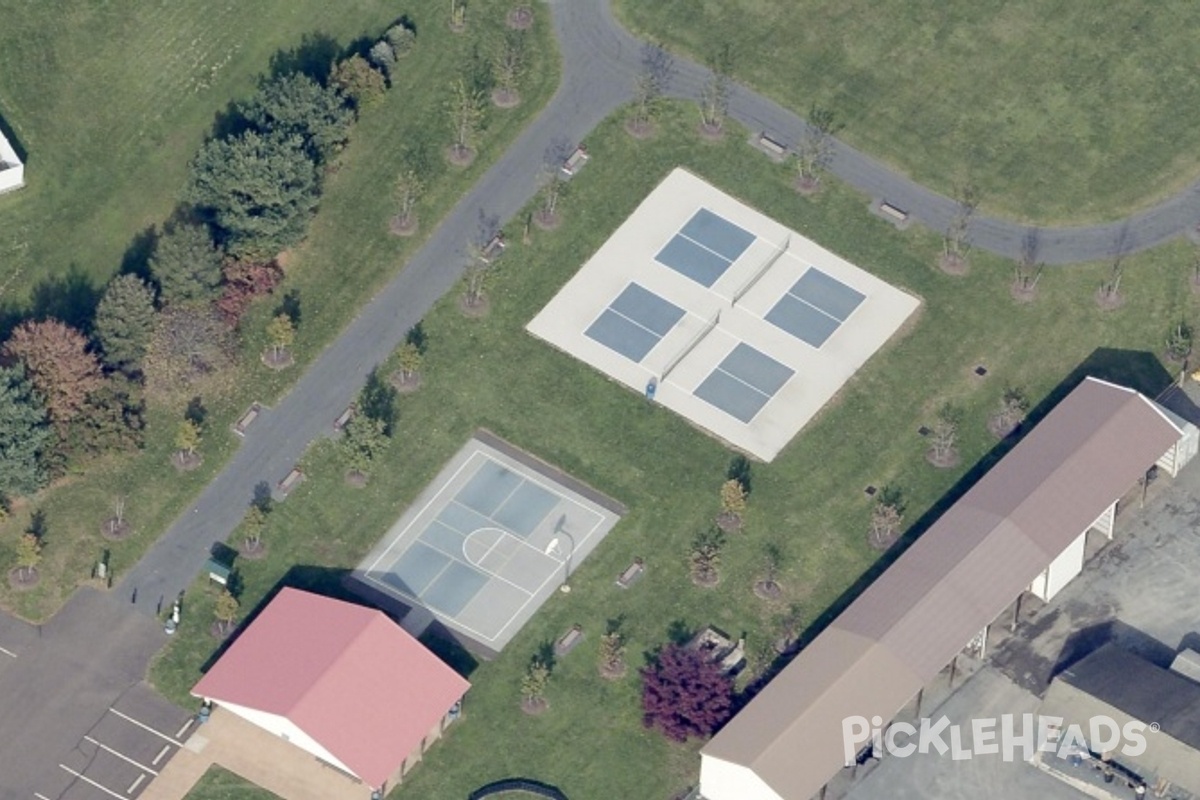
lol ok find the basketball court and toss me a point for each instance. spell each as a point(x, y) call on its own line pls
point(723, 315)
point(494, 535)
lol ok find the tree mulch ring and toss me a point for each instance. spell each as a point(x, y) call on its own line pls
point(277, 360)
point(458, 27)
point(23, 579)
point(640, 129)
point(1022, 294)
point(706, 580)
point(613, 673)
point(520, 18)
point(711, 133)
point(403, 225)
point(460, 156)
point(220, 631)
point(882, 540)
point(953, 264)
point(186, 462)
point(534, 706)
point(115, 531)
point(255, 553)
point(942, 460)
point(783, 644)
point(547, 220)
point(506, 98)
point(729, 522)
point(767, 590)
point(355, 478)
point(477, 310)
point(1109, 301)
point(1000, 427)
point(405, 384)
point(806, 186)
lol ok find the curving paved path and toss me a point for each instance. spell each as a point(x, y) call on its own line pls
point(104, 648)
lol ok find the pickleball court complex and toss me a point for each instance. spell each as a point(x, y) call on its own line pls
point(723, 315)
point(493, 536)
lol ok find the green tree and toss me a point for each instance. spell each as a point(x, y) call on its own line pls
point(29, 554)
point(112, 418)
point(361, 82)
point(612, 654)
point(733, 498)
point(363, 439)
point(125, 320)
point(409, 188)
point(509, 64)
point(24, 434)
point(534, 682)
point(253, 525)
point(377, 400)
point(259, 190)
point(297, 106)
point(280, 333)
point(187, 437)
point(226, 610)
point(382, 56)
point(186, 264)
point(401, 38)
point(409, 360)
point(705, 557)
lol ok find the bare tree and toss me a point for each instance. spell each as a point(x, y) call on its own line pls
point(1027, 270)
point(551, 190)
point(649, 85)
point(767, 587)
point(714, 96)
point(476, 278)
point(954, 244)
point(943, 438)
point(815, 151)
point(508, 68)
point(1108, 296)
point(408, 190)
point(1010, 414)
point(886, 518)
point(465, 107)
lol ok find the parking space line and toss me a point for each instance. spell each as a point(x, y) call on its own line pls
point(179, 733)
point(144, 726)
point(86, 779)
point(166, 749)
point(121, 756)
point(40, 796)
point(133, 786)
point(8, 653)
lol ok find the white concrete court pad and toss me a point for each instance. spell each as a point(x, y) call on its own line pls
point(742, 326)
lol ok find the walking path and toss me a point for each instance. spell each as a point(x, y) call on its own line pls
point(53, 690)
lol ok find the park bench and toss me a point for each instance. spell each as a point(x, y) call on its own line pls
point(892, 211)
point(772, 147)
point(720, 649)
point(293, 479)
point(217, 572)
point(343, 418)
point(492, 250)
point(568, 641)
point(244, 421)
point(575, 161)
point(632, 574)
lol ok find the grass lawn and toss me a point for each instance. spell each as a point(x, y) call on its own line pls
point(221, 784)
point(1055, 111)
point(810, 500)
point(347, 257)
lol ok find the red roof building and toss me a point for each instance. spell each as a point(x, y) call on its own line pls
point(338, 680)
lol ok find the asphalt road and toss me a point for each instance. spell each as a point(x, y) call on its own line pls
point(67, 673)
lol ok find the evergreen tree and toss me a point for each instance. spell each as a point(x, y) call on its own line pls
point(24, 434)
point(297, 106)
point(125, 320)
point(186, 265)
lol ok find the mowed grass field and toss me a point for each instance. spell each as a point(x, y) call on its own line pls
point(346, 258)
point(109, 101)
point(489, 372)
point(1056, 111)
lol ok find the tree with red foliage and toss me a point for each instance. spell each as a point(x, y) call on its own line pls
point(685, 694)
point(58, 365)
point(243, 282)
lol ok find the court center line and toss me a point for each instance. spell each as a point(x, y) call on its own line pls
point(729, 261)
point(121, 756)
point(86, 779)
point(749, 386)
point(146, 727)
point(815, 307)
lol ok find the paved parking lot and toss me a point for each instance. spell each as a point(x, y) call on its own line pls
point(123, 752)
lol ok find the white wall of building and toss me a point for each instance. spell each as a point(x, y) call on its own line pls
point(285, 728)
point(12, 171)
point(721, 780)
point(1062, 569)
